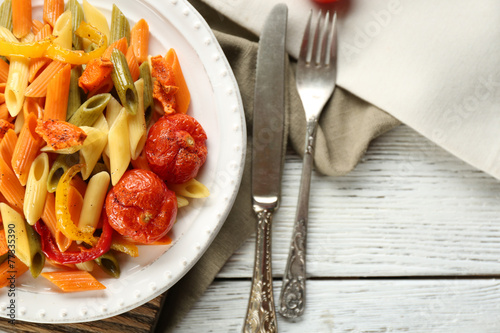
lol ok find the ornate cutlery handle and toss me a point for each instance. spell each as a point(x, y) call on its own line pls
point(293, 289)
point(261, 316)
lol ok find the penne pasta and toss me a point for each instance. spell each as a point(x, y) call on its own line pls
point(76, 18)
point(10, 187)
point(16, 84)
point(21, 17)
point(4, 71)
point(145, 75)
point(93, 200)
point(123, 82)
point(94, 17)
point(36, 189)
point(26, 150)
point(6, 14)
point(182, 96)
point(38, 88)
point(56, 103)
point(61, 164)
point(121, 45)
point(87, 266)
point(119, 26)
point(49, 218)
point(137, 124)
point(7, 269)
point(63, 29)
point(132, 63)
point(74, 96)
point(139, 40)
point(91, 150)
point(75, 280)
point(90, 110)
point(7, 145)
point(119, 147)
point(181, 201)
point(52, 9)
point(109, 264)
point(190, 189)
point(13, 218)
point(36, 26)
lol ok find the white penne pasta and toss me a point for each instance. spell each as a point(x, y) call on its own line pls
point(17, 80)
point(94, 200)
point(119, 147)
point(14, 221)
point(101, 124)
point(19, 123)
point(36, 189)
point(64, 30)
point(87, 266)
point(137, 123)
point(96, 18)
point(112, 110)
point(92, 149)
point(181, 201)
point(190, 189)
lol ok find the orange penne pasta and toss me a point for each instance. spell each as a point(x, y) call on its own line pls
point(182, 96)
point(27, 148)
point(4, 71)
point(10, 187)
point(36, 64)
point(21, 17)
point(4, 113)
point(139, 40)
point(38, 88)
point(6, 271)
point(3, 243)
point(133, 65)
point(50, 220)
point(2, 98)
point(7, 145)
point(2, 87)
point(75, 280)
point(121, 44)
point(36, 26)
point(52, 9)
point(31, 105)
point(56, 103)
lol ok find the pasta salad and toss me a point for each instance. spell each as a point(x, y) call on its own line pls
point(97, 151)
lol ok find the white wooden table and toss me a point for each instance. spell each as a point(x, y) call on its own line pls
point(407, 242)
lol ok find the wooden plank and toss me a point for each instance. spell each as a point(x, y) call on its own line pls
point(408, 209)
point(367, 305)
point(141, 319)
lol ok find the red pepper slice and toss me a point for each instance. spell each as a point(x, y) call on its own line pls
point(51, 251)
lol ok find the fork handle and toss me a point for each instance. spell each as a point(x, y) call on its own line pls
point(293, 289)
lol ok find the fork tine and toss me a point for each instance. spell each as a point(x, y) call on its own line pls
point(323, 46)
point(304, 48)
point(316, 42)
point(331, 47)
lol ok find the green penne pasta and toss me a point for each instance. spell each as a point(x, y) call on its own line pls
point(122, 80)
point(37, 256)
point(119, 26)
point(89, 111)
point(76, 18)
point(145, 74)
point(6, 14)
point(62, 163)
point(109, 264)
point(74, 98)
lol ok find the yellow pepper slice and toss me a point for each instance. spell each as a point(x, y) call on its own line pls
point(64, 222)
point(85, 30)
point(47, 48)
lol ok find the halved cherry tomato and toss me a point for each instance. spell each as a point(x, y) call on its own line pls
point(141, 207)
point(175, 148)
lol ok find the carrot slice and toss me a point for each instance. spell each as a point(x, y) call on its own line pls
point(71, 281)
point(182, 96)
point(60, 134)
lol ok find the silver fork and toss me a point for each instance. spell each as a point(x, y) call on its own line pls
point(316, 78)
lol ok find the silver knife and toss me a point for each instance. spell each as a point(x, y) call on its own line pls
point(267, 163)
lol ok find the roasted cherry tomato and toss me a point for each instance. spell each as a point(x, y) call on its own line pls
point(175, 148)
point(141, 207)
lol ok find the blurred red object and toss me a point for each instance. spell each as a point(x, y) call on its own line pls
point(325, 1)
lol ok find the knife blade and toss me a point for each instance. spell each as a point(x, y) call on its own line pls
point(267, 163)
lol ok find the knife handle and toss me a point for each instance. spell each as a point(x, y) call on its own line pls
point(261, 316)
point(293, 289)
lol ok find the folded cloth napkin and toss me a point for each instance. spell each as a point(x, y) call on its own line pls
point(346, 128)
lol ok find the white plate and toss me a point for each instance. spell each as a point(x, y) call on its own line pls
point(216, 104)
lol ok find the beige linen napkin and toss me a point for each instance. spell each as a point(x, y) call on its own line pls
point(346, 128)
